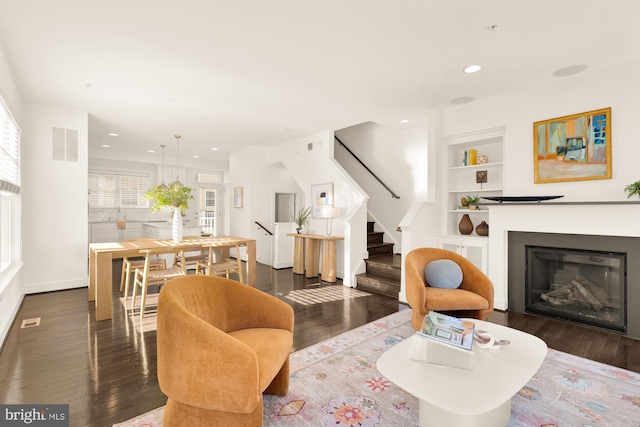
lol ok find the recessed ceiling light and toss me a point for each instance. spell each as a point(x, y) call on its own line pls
point(106, 145)
point(570, 70)
point(196, 157)
point(462, 100)
point(472, 69)
point(113, 134)
point(151, 151)
point(215, 149)
point(404, 121)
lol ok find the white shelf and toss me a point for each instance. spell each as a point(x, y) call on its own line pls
point(475, 190)
point(469, 211)
point(480, 166)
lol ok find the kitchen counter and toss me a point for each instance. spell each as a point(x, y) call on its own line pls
point(113, 221)
point(163, 224)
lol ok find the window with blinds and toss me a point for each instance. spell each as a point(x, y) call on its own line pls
point(9, 188)
point(110, 190)
point(207, 199)
point(9, 151)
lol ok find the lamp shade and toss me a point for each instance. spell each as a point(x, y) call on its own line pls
point(329, 212)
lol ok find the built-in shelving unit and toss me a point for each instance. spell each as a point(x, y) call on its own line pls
point(461, 179)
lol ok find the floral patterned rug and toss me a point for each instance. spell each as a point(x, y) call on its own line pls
point(336, 383)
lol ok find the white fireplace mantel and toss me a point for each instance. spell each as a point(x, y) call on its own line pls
point(591, 218)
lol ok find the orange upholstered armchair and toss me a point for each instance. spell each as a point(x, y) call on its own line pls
point(473, 298)
point(221, 344)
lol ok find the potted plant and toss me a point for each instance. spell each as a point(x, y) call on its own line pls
point(302, 218)
point(633, 189)
point(470, 200)
point(174, 196)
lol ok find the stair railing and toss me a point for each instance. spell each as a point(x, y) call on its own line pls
point(394, 195)
point(264, 228)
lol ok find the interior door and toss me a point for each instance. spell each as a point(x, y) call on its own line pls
point(285, 206)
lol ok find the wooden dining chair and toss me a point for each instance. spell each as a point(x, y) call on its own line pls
point(146, 276)
point(129, 266)
point(223, 267)
point(192, 258)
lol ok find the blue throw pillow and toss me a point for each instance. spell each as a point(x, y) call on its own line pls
point(443, 273)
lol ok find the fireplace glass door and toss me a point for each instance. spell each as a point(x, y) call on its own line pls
point(584, 286)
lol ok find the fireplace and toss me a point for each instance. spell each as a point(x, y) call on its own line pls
point(577, 285)
point(588, 279)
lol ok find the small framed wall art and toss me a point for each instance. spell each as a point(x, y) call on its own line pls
point(237, 197)
point(321, 196)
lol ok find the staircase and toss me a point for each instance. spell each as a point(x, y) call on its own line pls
point(383, 268)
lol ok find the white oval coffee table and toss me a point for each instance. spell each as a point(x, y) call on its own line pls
point(456, 397)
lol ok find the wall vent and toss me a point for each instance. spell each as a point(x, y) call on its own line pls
point(65, 144)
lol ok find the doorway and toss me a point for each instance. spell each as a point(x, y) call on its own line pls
point(285, 207)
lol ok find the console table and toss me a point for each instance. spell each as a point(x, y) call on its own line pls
point(306, 255)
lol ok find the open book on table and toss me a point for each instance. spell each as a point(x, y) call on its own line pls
point(448, 329)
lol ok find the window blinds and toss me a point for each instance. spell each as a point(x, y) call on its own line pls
point(9, 151)
point(110, 190)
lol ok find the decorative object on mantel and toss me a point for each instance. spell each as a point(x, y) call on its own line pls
point(482, 229)
point(538, 199)
point(633, 189)
point(465, 226)
point(302, 218)
point(175, 196)
point(573, 148)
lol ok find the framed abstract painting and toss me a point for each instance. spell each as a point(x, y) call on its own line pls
point(573, 148)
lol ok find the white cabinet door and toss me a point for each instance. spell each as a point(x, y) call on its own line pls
point(475, 250)
point(104, 232)
point(132, 231)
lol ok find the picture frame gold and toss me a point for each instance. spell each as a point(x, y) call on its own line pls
point(237, 197)
point(573, 148)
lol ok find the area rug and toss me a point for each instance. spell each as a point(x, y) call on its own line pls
point(336, 383)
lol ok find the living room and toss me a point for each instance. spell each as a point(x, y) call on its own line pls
point(52, 218)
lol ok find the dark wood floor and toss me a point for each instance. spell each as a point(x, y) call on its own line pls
point(106, 371)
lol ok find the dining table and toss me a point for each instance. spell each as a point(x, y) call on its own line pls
point(101, 256)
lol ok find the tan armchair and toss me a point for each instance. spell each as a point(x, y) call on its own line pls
point(474, 297)
point(221, 345)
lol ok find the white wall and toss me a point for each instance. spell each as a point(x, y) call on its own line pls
point(54, 203)
point(260, 180)
point(614, 87)
point(398, 156)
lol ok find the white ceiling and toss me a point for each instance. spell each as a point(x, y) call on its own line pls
point(231, 73)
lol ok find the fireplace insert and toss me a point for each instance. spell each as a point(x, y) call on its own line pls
point(577, 285)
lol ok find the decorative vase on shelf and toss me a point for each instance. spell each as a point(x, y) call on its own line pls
point(465, 226)
point(176, 227)
point(482, 229)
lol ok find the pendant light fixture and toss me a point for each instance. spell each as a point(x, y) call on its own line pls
point(163, 184)
point(177, 158)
